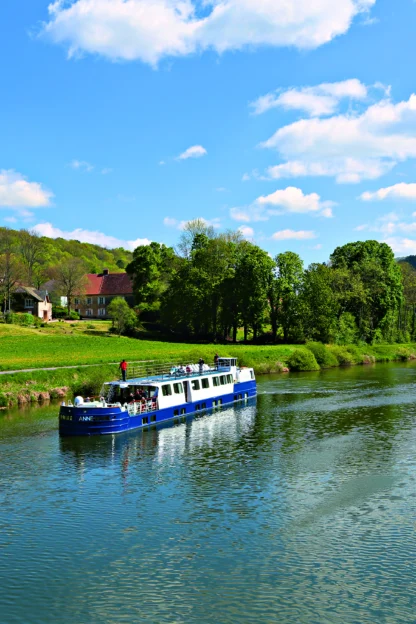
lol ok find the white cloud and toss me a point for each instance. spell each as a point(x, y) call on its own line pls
point(106, 171)
point(397, 191)
point(16, 191)
point(292, 199)
point(344, 170)
point(322, 99)
point(196, 151)
point(81, 165)
point(246, 231)
point(89, 236)
point(150, 30)
point(293, 235)
point(404, 246)
point(10, 219)
point(282, 201)
point(351, 147)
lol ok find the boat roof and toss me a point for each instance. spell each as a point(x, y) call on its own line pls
point(162, 378)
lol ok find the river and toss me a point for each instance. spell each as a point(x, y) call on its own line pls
point(299, 509)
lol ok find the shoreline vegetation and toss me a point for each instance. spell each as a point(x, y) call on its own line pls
point(36, 386)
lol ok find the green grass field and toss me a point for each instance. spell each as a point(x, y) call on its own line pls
point(65, 345)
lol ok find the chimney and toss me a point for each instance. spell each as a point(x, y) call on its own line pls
point(105, 271)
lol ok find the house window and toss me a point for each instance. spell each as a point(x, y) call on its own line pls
point(89, 301)
point(76, 301)
point(28, 303)
point(88, 312)
point(101, 300)
point(101, 312)
point(78, 311)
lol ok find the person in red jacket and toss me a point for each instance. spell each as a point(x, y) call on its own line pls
point(123, 368)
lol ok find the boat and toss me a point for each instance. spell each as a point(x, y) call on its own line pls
point(157, 394)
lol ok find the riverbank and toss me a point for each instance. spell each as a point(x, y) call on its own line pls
point(42, 385)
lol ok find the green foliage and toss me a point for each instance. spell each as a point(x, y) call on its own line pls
point(3, 400)
point(73, 316)
point(343, 355)
point(347, 332)
point(286, 289)
point(22, 318)
point(123, 317)
point(150, 269)
point(324, 357)
point(59, 312)
point(302, 360)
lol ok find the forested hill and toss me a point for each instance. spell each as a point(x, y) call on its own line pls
point(56, 250)
point(409, 259)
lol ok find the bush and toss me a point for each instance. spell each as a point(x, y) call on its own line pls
point(343, 355)
point(3, 400)
point(302, 360)
point(90, 326)
point(324, 357)
point(22, 318)
point(73, 316)
point(59, 312)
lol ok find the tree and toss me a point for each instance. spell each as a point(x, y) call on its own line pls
point(150, 269)
point(190, 230)
point(288, 282)
point(31, 248)
point(10, 268)
point(122, 315)
point(376, 301)
point(319, 303)
point(71, 279)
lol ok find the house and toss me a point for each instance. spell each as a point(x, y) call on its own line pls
point(32, 301)
point(100, 290)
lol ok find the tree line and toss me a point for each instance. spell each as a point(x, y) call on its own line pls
point(213, 284)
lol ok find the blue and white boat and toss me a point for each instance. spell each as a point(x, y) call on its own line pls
point(165, 394)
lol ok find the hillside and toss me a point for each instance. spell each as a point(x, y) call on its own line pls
point(95, 257)
point(409, 259)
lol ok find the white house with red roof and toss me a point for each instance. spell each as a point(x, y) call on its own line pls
point(101, 289)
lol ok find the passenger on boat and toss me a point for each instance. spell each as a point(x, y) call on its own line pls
point(188, 369)
point(181, 370)
point(123, 368)
point(201, 366)
point(216, 358)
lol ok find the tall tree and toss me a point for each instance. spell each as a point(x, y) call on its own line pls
point(374, 265)
point(150, 269)
point(71, 279)
point(288, 284)
point(11, 269)
point(31, 248)
point(122, 315)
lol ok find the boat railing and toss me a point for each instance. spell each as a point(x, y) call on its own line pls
point(166, 370)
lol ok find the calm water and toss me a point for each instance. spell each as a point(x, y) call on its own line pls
point(300, 509)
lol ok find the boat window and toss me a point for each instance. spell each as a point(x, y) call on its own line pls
point(167, 390)
point(145, 420)
point(195, 384)
point(176, 412)
point(223, 380)
point(205, 383)
point(216, 381)
point(251, 374)
point(178, 388)
point(153, 418)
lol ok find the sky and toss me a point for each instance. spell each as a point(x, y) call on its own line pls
point(293, 121)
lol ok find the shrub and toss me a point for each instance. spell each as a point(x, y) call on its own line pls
point(22, 318)
point(324, 357)
point(90, 326)
point(302, 360)
point(347, 329)
point(73, 316)
point(343, 355)
point(59, 312)
point(3, 400)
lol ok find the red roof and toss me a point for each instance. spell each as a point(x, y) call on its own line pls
point(110, 284)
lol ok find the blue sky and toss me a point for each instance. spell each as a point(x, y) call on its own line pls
point(295, 121)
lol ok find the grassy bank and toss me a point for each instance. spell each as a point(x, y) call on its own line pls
point(29, 348)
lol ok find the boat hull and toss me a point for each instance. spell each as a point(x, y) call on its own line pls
point(89, 421)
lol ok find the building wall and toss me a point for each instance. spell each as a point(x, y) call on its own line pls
point(95, 306)
point(22, 303)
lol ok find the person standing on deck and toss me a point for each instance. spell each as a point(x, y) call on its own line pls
point(201, 366)
point(123, 368)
